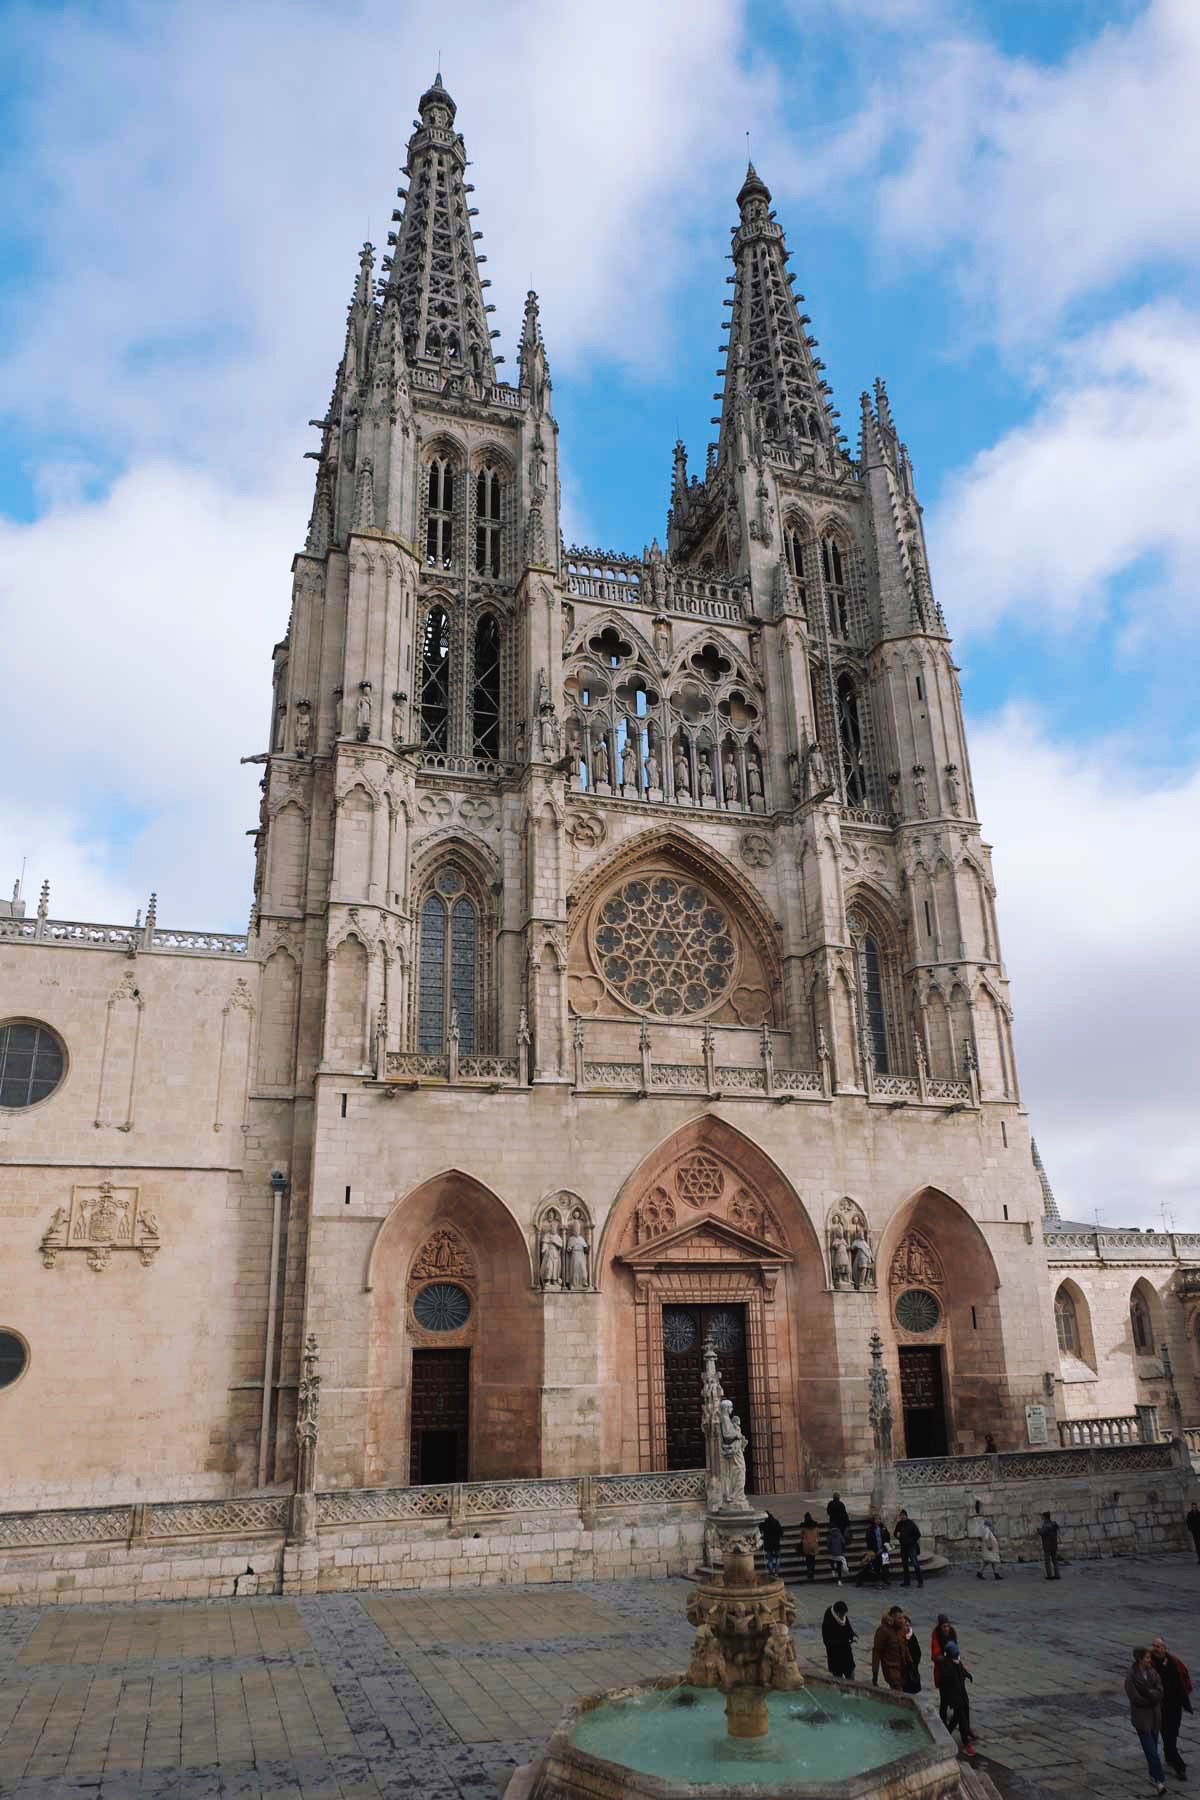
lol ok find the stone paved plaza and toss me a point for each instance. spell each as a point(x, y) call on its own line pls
point(435, 1696)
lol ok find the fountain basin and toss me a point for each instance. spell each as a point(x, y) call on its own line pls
point(667, 1740)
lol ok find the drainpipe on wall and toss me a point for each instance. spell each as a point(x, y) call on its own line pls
point(278, 1190)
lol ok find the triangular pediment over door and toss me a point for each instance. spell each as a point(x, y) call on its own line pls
point(706, 1240)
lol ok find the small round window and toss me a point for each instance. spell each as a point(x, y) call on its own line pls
point(918, 1310)
point(31, 1063)
point(14, 1357)
point(442, 1306)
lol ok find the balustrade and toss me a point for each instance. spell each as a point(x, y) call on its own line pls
point(1119, 1429)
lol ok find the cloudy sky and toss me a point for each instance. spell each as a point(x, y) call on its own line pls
point(993, 203)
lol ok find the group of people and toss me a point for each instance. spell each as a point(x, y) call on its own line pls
point(1158, 1688)
point(896, 1656)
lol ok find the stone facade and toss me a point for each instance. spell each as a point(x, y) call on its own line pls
point(623, 966)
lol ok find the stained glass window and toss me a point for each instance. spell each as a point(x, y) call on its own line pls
point(874, 1016)
point(918, 1310)
point(431, 1031)
point(486, 715)
point(442, 1306)
point(31, 1063)
point(1065, 1323)
point(448, 965)
point(435, 681)
point(664, 947)
point(14, 1355)
point(462, 971)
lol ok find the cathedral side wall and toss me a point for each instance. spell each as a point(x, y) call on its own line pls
point(1111, 1377)
point(134, 1238)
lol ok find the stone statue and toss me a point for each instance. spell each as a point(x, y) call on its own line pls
point(733, 1460)
point(818, 774)
point(600, 761)
point(549, 732)
point(577, 1258)
point(754, 775)
point(629, 761)
point(731, 782)
point(362, 712)
point(397, 718)
point(683, 783)
point(652, 770)
point(953, 790)
point(341, 708)
point(552, 1251)
point(863, 1259)
point(706, 776)
point(543, 694)
point(779, 1669)
point(707, 1667)
point(920, 790)
point(303, 728)
point(839, 1259)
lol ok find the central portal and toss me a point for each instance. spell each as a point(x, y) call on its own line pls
point(685, 1330)
point(923, 1400)
point(441, 1388)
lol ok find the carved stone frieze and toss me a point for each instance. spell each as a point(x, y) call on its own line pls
point(99, 1222)
point(443, 1254)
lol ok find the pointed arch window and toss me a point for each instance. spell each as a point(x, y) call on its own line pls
point(435, 681)
point(1066, 1323)
point(833, 568)
point(1143, 1331)
point(850, 738)
point(439, 530)
point(448, 965)
point(486, 700)
point(870, 976)
point(794, 541)
point(487, 523)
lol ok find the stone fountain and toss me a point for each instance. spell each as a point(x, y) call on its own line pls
point(782, 1738)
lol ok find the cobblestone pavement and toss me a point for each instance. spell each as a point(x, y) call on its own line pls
point(436, 1696)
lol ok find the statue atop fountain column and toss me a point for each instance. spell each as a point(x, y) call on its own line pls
point(734, 1445)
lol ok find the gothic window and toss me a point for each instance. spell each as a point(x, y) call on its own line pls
point(833, 568)
point(794, 541)
point(850, 737)
point(448, 965)
point(435, 681)
point(1143, 1332)
point(1066, 1323)
point(486, 708)
point(874, 1015)
point(31, 1063)
point(665, 947)
point(439, 531)
point(878, 963)
point(487, 523)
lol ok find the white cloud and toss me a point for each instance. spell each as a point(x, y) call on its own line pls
point(1038, 526)
point(1095, 868)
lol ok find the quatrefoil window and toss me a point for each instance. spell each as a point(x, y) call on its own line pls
point(664, 947)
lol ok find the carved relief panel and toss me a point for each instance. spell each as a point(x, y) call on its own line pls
point(443, 1290)
point(851, 1253)
point(699, 1183)
point(99, 1221)
point(563, 1240)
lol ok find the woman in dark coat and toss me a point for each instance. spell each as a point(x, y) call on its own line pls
point(942, 1634)
point(838, 1636)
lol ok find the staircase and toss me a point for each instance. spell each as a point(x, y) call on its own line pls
point(790, 1509)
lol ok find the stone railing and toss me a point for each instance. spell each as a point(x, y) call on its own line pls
point(140, 1524)
point(441, 762)
point(1127, 1246)
point(1123, 1429)
point(627, 581)
point(75, 935)
point(1032, 1465)
point(412, 1067)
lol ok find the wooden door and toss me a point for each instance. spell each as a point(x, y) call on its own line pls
point(923, 1399)
point(441, 1389)
point(685, 1329)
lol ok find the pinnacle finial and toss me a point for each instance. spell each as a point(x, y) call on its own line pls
point(753, 187)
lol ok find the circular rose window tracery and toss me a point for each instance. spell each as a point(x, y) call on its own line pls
point(918, 1310)
point(664, 947)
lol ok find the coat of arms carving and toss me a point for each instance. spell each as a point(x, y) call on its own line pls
point(99, 1221)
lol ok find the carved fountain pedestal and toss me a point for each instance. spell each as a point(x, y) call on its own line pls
point(743, 1643)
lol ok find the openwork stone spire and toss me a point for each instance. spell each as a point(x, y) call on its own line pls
point(909, 603)
point(1049, 1203)
point(770, 357)
point(434, 272)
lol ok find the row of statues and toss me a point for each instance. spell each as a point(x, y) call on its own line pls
point(731, 781)
point(851, 1258)
point(564, 1253)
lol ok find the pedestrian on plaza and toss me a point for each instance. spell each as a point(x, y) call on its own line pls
point(837, 1553)
point(772, 1541)
point(1143, 1690)
point(989, 1445)
point(868, 1571)
point(838, 1635)
point(878, 1540)
point(889, 1651)
point(810, 1543)
point(957, 1716)
point(1177, 1688)
point(912, 1678)
point(1048, 1532)
point(942, 1634)
point(908, 1536)
point(837, 1515)
point(989, 1553)
point(1193, 1524)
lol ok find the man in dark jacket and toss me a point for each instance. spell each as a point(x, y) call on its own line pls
point(1144, 1692)
point(1193, 1524)
point(772, 1541)
point(838, 1635)
point(953, 1688)
point(837, 1515)
point(1176, 1700)
point(1048, 1532)
point(889, 1651)
point(908, 1536)
point(878, 1539)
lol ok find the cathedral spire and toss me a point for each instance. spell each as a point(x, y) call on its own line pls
point(1049, 1203)
point(434, 271)
point(887, 473)
point(770, 357)
point(531, 355)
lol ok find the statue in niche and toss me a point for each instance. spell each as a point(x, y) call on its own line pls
point(683, 780)
point(303, 728)
point(754, 775)
point(733, 1460)
point(731, 782)
point(551, 1265)
point(920, 790)
point(953, 789)
point(543, 695)
point(362, 712)
point(629, 763)
point(862, 1259)
point(397, 718)
point(548, 730)
point(600, 761)
point(653, 774)
point(707, 784)
point(578, 1253)
point(280, 727)
point(818, 774)
point(839, 1259)
point(662, 638)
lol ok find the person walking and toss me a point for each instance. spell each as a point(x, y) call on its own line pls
point(810, 1543)
point(908, 1536)
point(889, 1650)
point(837, 1515)
point(1193, 1524)
point(838, 1635)
point(838, 1562)
point(989, 1552)
point(912, 1678)
point(1048, 1532)
point(1143, 1690)
point(942, 1634)
point(878, 1539)
point(957, 1716)
point(1176, 1700)
point(771, 1532)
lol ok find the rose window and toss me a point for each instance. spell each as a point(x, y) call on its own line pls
point(918, 1310)
point(664, 947)
point(442, 1306)
point(724, 1330)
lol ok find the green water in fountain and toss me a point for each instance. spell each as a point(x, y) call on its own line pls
point(815, 1735)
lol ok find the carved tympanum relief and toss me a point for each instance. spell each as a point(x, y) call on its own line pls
point(701, 1183)
point(442, 1286)
point(99, 1221)
point(916, 1264)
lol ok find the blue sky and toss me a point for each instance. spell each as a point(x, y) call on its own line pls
point(991, 204)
